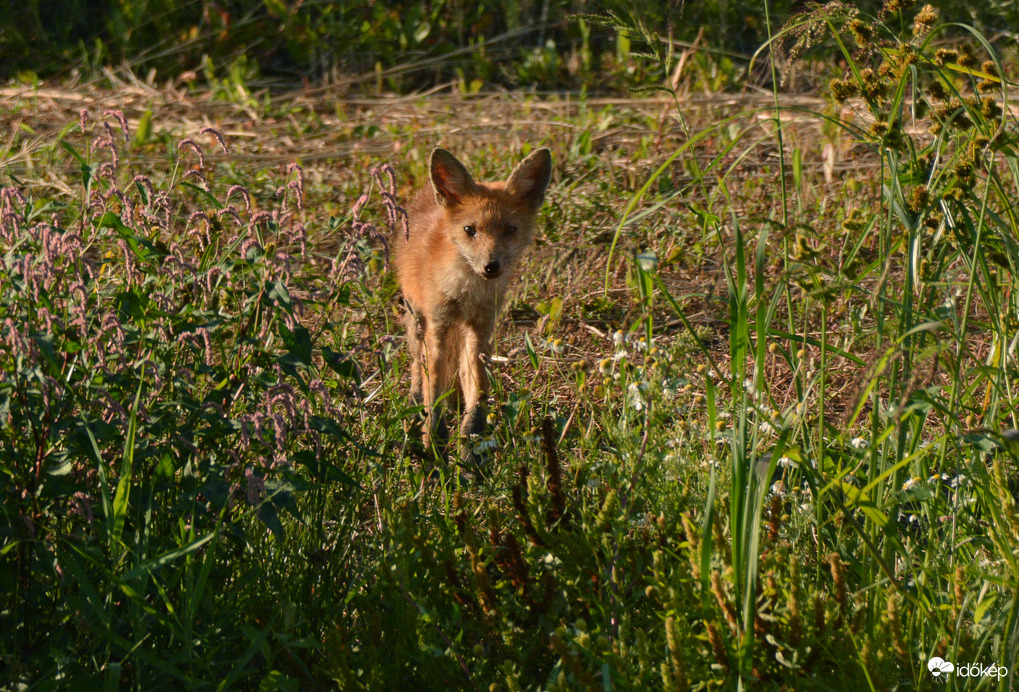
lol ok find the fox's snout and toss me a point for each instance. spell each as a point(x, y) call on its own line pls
point(493, 269)
point(487, 256)
point(490, 268)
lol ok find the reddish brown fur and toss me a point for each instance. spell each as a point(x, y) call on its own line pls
point(454, 270)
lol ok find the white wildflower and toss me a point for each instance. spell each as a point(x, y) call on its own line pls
point(911, 483)
point(485, 445)
point(637, 395)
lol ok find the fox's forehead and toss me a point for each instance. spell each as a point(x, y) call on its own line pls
point(495, 207)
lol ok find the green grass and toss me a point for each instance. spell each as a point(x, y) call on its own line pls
point(753, 426)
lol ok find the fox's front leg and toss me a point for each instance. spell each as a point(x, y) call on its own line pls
point(434, 375)
point(473, 378)
point(416, 348)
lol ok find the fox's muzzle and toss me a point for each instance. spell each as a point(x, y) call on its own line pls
point(493, 269)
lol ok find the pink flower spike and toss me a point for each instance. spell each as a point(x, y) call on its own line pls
point(121, 120)
point(215, 133)
point(188, 142)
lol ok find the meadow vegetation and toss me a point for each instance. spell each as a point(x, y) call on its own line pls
point(753, 410)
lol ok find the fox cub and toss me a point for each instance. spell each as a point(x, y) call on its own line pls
point(454, 270)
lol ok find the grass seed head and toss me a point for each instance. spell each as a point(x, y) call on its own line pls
point(986, 85)
point(677, 664)
point(723, 600)
point(895, 628)
point(894, 6)
point(862, 32)
point(872, 85)
point(919, 198)
point(989, 107)
point(817, 605)
point(718, 648)
point(944, 56)
point(925, 20)
point(842, 90)
point(839, 578)
point(793, 601)
point(966, 58)
point(958, 590)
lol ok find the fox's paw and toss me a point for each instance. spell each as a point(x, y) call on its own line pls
point(468, 456)
point(473, 423)
point(413, 427)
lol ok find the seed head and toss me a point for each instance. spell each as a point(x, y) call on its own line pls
point(216, 135)
point(872, 87)
point(842, 90)
point(989, 108)
point(919, 198)
point(966, 58)
point(187, 142)
point(121, 120)
point(897, 5)
point(862, 32)
point(943, 56)
point(924, 20)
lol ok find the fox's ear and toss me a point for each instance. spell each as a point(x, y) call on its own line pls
point(450, 180)
point(530, 178)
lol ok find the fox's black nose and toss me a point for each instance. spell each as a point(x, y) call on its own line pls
point(492, 270)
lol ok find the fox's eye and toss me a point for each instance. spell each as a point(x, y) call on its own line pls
point(510, 230)
point(470, 231)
